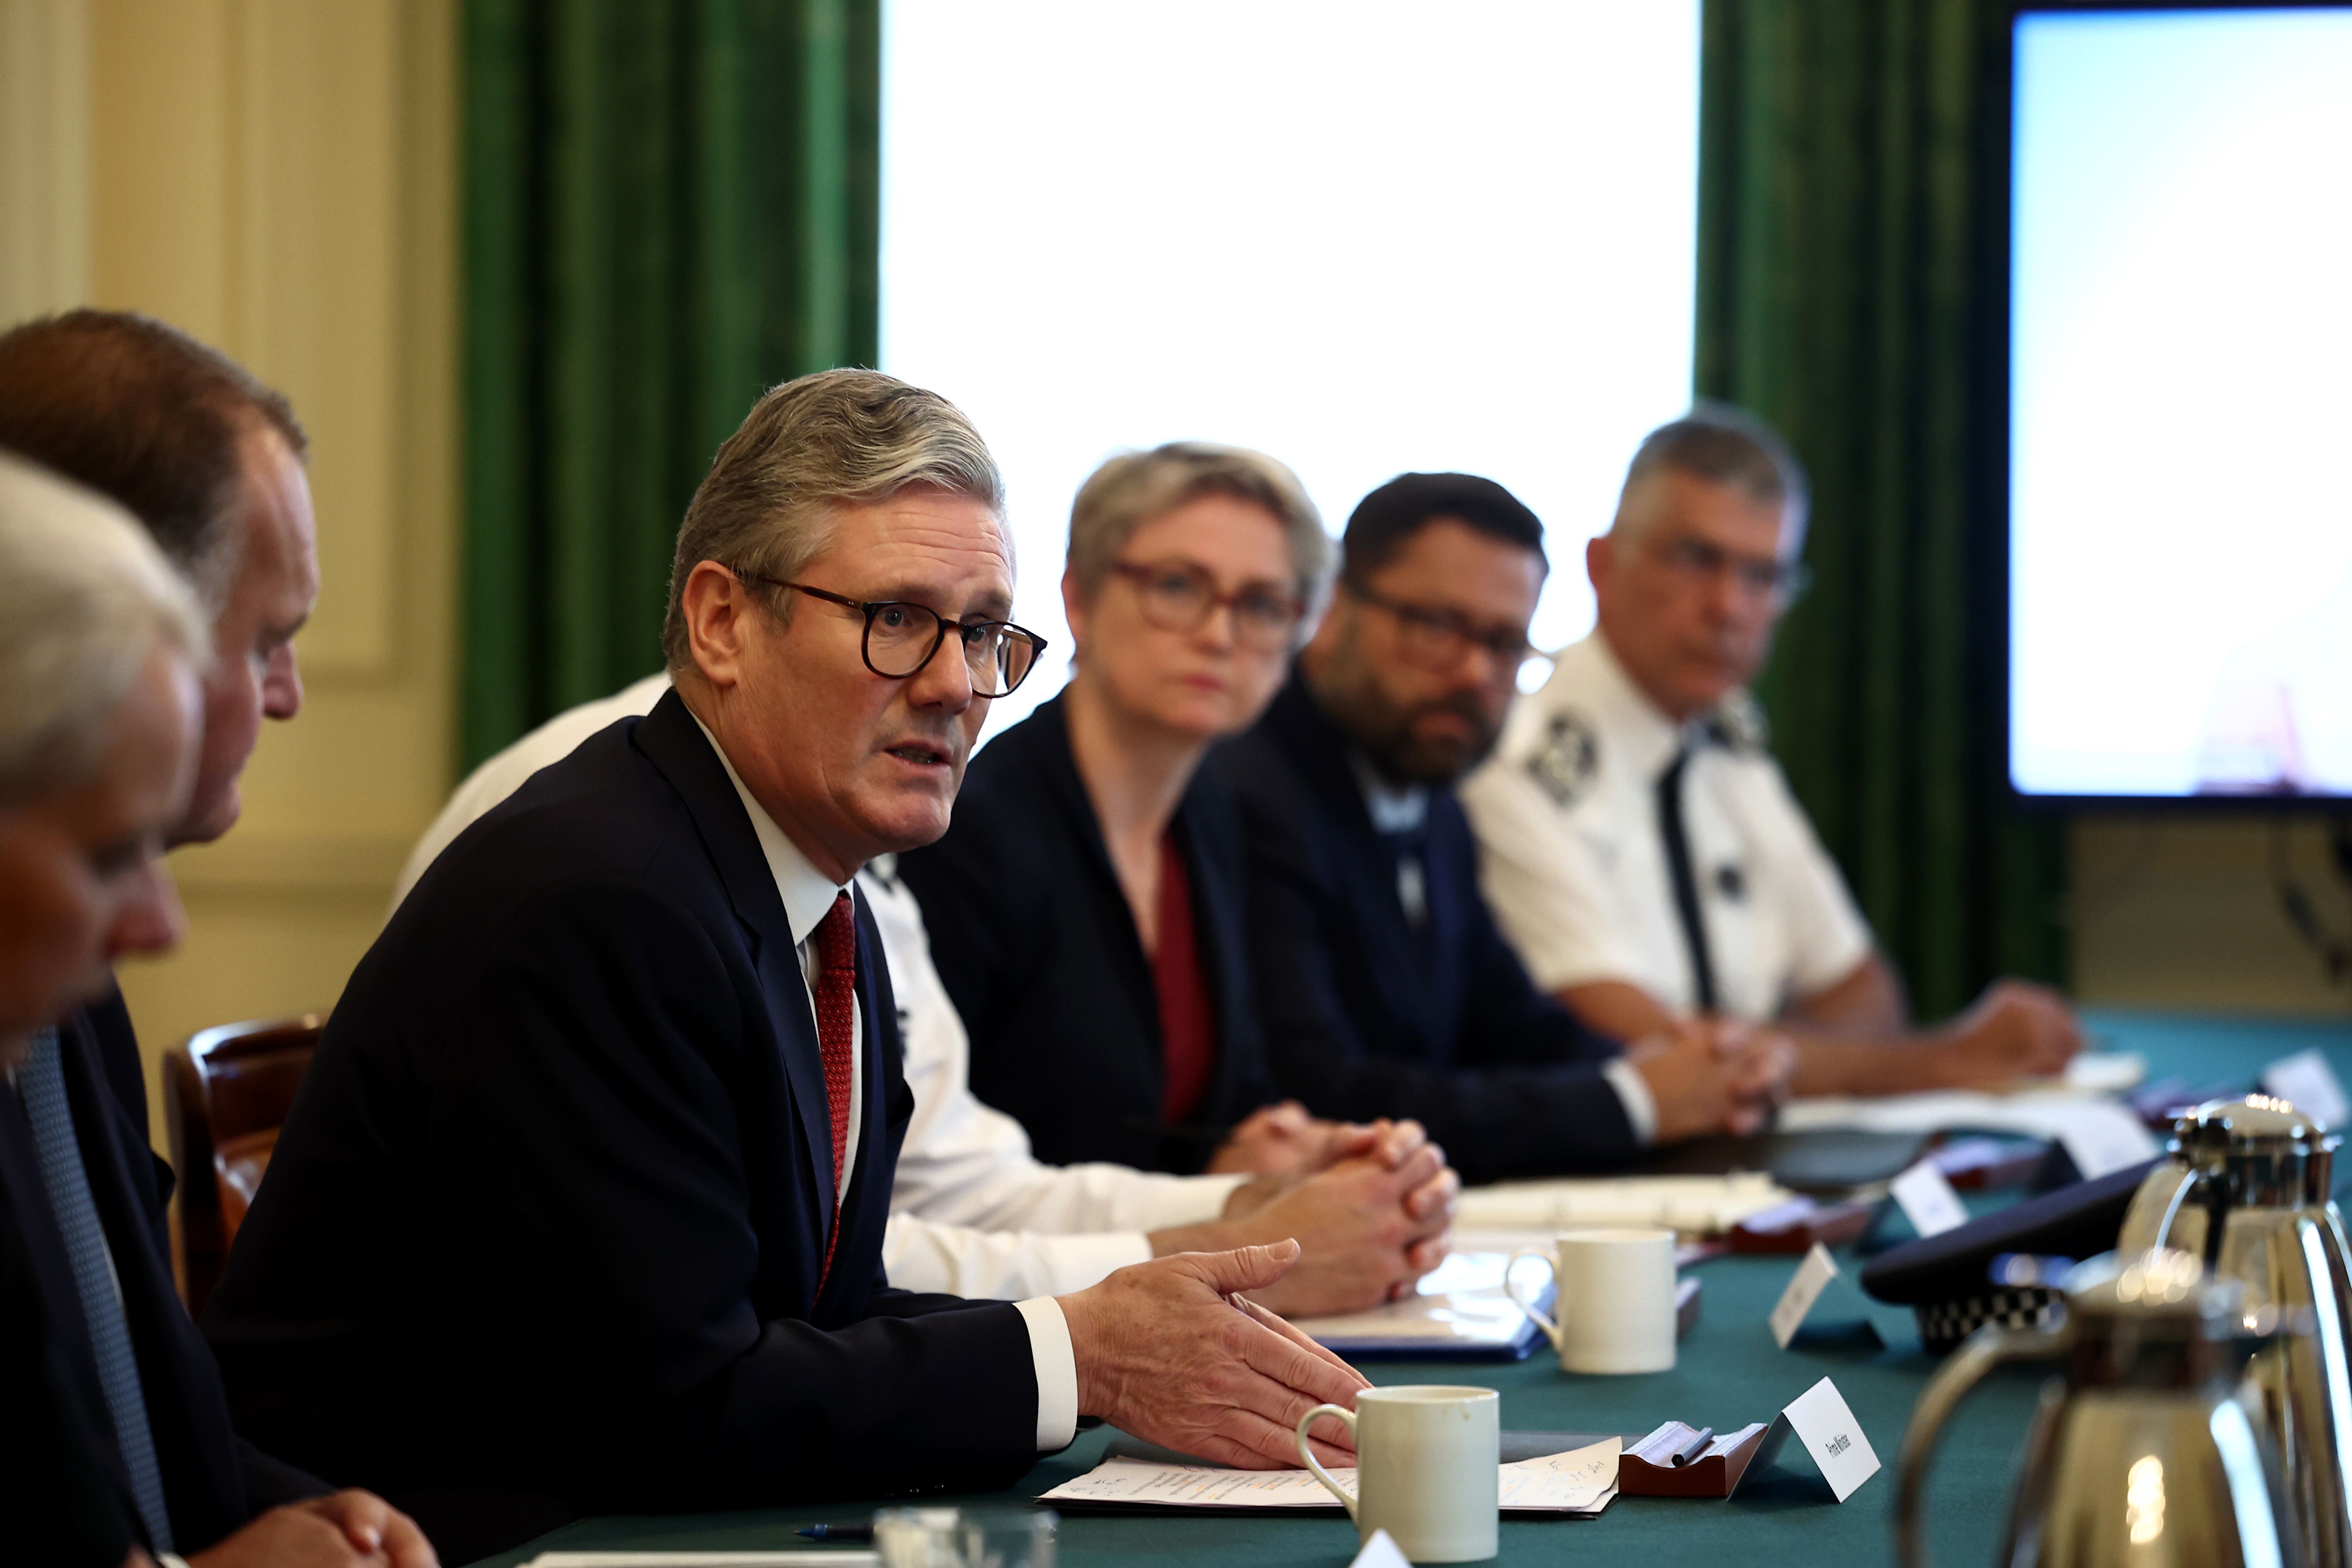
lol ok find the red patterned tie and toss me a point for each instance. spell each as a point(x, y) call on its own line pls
point(836, 983)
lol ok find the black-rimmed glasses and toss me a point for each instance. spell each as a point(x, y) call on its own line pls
point(901, 638)
point(1436, 638)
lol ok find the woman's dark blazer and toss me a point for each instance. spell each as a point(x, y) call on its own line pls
point(1039, 951)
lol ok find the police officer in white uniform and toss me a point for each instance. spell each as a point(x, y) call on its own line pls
point(1637, 841)
point(974, 1213)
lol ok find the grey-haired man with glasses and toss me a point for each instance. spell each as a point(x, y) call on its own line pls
point(1641, 848)
point(593, 1167)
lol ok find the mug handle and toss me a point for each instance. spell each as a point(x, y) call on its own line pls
point(1306, 1455)
point(1550, 1329)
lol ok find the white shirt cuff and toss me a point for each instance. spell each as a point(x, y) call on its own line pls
point(1075, 1262)
point(1179, 1200)
point(1632, 1088)
point(1057, 1371)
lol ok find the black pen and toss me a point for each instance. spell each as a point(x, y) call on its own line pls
point(1684, 1455)
point(839, 1532)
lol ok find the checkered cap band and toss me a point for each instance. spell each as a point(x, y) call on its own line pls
point(1944, 1324)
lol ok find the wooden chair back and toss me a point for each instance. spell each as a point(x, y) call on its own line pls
point(226, 1094)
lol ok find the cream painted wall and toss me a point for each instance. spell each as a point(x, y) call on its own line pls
point(2182, 912)
point(277, 177)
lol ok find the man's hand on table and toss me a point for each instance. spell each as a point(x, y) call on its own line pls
point(1172, 1351)
point(345, 1530)
point(1713, 1075)
point(2015, 1030)
point(1370, 1224)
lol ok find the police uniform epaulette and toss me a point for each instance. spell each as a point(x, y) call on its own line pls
point(1737, 723)
point(1565, 764)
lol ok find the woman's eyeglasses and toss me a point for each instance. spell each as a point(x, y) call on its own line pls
point(1180, 596)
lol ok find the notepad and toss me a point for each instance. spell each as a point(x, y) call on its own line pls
point(1576, 1484)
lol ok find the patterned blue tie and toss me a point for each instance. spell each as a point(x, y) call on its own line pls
point(43, 1082)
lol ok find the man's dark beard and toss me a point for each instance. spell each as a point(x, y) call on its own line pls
point(1384, 733)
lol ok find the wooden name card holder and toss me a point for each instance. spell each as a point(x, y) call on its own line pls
point(1709, 1469)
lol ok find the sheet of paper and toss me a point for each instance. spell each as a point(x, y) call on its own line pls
point(1379, 1552)
point(1706, 1206)
point(1928, 1201)
point(1805, 1286)
point(1578, 1481)
point(2306, 1081)
point(1820, 1420)
point(2106, 1072)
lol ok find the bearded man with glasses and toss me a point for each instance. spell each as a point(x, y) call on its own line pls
point(581, 1208)
point(1384, 986)
point(1642, 848)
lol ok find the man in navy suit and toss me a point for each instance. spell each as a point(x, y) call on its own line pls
point(1385, 986)
point(593, 1162)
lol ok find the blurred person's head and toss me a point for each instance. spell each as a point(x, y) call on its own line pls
point(212, 462)
point(849, 722)
point(102, 649)
point(1419, 655)
point(1702, 559)
point(1192, 569)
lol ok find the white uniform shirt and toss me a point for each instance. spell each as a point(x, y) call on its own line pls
point(1573, 861)
point(974, 1213)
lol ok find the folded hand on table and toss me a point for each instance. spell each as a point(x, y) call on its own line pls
point(1174, 1353)
point(1370, 1224)
point(2015, 1030)
point(1713, 1075)
point(345, 1530)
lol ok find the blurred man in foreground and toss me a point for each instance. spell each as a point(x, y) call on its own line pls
point(1641, 848)
point(115, 1445)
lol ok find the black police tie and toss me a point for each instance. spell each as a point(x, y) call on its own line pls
point(43, 1082)
point(1685, 882)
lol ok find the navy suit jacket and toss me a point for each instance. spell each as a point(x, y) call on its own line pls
point(213, 1483)
point(550, 1210)
point(1364, 1015)
point(1034, 941)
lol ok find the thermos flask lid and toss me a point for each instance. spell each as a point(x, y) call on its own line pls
point(2251, 1123)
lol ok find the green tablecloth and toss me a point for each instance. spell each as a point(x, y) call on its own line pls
point(1728, 1374)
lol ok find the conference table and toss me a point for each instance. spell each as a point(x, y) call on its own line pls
point(1728, 1372)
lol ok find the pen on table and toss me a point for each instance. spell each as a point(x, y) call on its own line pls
point(839, 1532)
point(1683, 1455)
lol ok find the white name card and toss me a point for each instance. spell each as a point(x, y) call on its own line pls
point(2101, 1137)
point(1928, 1201)
point(2306, 1081)
point(1826, 1428)
point(1805, 1286)
point(1380, 1552)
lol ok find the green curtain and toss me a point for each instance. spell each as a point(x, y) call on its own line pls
point(1848, 293)
point(669, 206)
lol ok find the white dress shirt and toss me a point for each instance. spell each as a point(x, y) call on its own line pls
point(1574, 862)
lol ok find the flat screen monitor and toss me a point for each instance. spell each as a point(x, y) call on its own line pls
point(2180, 405)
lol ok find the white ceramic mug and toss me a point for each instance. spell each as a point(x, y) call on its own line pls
point(1427, 1459)
point(1616, 1300)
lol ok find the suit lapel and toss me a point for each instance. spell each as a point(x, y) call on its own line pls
point(671, 740)
point(1400, 965)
